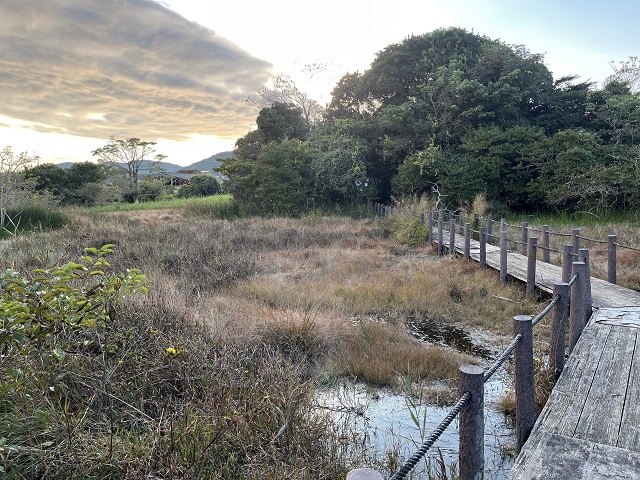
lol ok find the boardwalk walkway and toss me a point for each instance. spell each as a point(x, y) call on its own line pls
point(590, 426)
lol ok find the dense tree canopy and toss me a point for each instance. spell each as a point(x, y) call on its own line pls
point(454, 112)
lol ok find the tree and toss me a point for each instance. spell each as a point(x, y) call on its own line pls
point(200, 185)
point(129, 157)
point(14, 187)
point(627, 72)
point(284, 90)
point(280, 121)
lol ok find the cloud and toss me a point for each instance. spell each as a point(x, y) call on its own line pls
point(101, 68)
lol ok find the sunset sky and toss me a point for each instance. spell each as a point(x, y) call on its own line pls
point(75, 72)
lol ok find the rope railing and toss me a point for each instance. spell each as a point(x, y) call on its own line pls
point(578, 288)
point(410, 464)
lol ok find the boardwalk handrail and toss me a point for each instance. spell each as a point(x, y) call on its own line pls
point(612, 244)
point(523, 326)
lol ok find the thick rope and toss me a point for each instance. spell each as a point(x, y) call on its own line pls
point(545, 311)
point(498, 363)
point(416, 457)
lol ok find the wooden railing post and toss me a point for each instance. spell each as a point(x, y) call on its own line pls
point(471, 450)
point(467, 241)
point(440, 232)
point(503, 257)
point(364, 474)
point(503, 224)
point(575, 234)
point(523, 355)
point(452, 235)
point(611, 258)
point(531, 266)
point(483, 247)
point(430, 227)
point(567, 261)
point(576, 316)
point(525, 237)
point(422, 218)
point(588, 305)
point(559, 328)
point(489, 226)
point(546, 244)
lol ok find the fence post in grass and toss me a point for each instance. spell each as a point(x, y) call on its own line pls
point(467, 241)
point(471, 450)
point(430, 227)
point(525, 237)
point(440, 232)
point(503, 224)
point(503, 257)
point(559, 327)
point(575, 235)
point(611, 258)
point(452, 235)
point(566, 262)
point(525, 414)
point(576, 315)
point(532, 249)
point(546, 243)
point(483, 247)
point(588, 305)
point(364, 474)
point(489, 226)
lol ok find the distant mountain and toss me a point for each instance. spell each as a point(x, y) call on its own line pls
point(210, 163)
point(206, 165)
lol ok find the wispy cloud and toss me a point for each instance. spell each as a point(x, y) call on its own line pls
point(99, 68)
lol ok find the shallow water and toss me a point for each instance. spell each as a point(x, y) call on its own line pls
point(383, 417)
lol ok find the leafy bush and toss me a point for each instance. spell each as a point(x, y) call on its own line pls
point(200, 186)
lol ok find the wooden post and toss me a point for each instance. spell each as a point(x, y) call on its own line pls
point(364, 474)
point(559, 327)
point(523, 356)
point(440, 234)
point(566, 262)
point(588, 305)
point(422, 218)
point(483, 247)
point(611, 257)
point(531, 266)
point(452, 235)
point(430, 227)
point(576, 316)
point(575, 234)
point(503, 224)
point(546, 244)
point(525, 237)
point(503, 257)
point(489, 226)
point(467, 241)
point(471, 451)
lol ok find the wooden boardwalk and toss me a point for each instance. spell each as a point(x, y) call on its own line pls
point(590, 426)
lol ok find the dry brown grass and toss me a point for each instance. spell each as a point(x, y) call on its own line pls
point(288, 301)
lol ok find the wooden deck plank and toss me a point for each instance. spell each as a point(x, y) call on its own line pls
point(629, 436)
point(604, 403)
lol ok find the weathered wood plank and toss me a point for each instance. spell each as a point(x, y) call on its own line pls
point(566, 458)
point(629, 436)
point(604, 404)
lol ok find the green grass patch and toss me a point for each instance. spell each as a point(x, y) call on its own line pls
point(33, 218)
point(214, 201)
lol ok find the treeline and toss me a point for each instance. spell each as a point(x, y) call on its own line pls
point(453, 113)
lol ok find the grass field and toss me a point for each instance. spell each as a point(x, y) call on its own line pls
point(212, 374)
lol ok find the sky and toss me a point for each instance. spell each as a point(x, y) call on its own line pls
point(74, 73)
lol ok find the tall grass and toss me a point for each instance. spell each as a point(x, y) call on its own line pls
point(256, 313)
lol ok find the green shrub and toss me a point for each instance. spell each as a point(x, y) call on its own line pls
point(34, 217)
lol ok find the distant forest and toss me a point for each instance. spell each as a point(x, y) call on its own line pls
point(449, 112)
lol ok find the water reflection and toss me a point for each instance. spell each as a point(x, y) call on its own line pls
point(384, 420)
